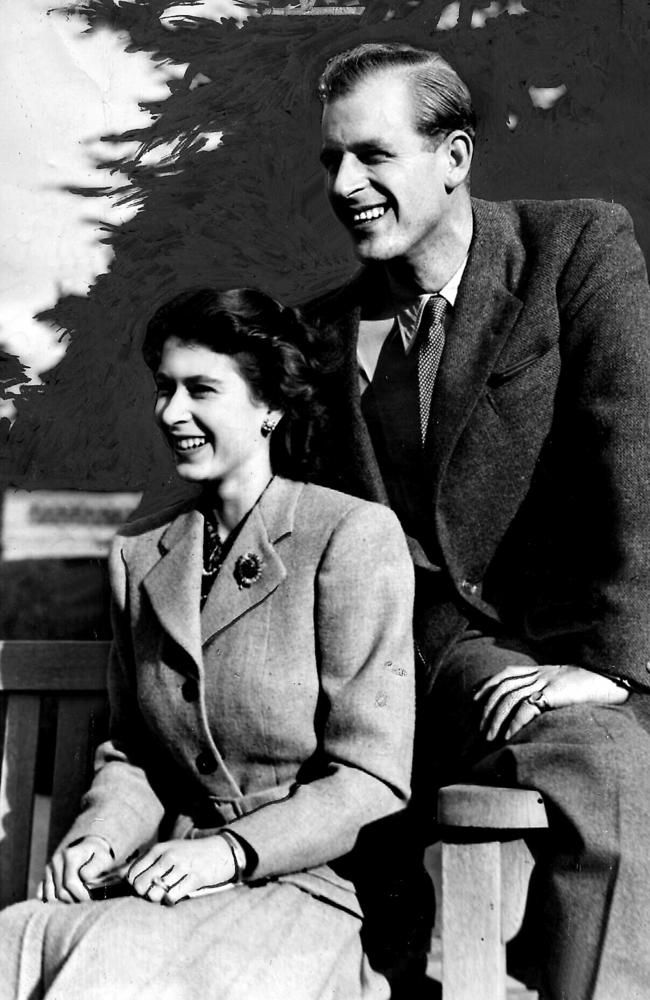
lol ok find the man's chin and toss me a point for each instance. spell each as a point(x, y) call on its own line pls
point(371, 251)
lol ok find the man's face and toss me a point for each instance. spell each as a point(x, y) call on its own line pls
point(385, 181)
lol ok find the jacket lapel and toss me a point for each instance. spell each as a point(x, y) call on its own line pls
point(270, 520)
point(174, 582)
point(355, 457)
point(484, 315)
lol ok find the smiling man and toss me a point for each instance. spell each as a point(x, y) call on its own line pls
point(494, 389)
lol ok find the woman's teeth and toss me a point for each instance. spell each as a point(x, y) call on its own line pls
point(188, 444)
point(369, 213)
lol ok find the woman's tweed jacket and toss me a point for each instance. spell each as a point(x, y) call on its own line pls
point(284, 709)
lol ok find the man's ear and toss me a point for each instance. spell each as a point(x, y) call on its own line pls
point(461, 150)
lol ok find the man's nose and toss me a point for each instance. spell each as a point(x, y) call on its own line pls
point(348, 178)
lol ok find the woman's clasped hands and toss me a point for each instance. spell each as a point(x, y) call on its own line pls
point(170, 871)
point(72, 868)
point(166, 873)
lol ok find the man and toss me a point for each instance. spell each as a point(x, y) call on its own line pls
point(494, 388)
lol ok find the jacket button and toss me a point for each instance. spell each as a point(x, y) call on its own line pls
point(190, 689)
point(469, 588)
point(206, 763)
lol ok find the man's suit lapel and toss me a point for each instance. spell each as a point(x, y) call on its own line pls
point(269, 521)
point(355, 455)
point(484, 315)
point(174, 582)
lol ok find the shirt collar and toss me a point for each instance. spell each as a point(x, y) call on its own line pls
point(408, 310)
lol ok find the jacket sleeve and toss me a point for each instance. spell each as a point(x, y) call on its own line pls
point(604, 405)
point(120, 805)
point(364, 602)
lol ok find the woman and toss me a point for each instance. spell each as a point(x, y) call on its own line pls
point(261, 687)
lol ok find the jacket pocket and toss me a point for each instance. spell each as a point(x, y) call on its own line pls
point(524, 387)
point(518, 369)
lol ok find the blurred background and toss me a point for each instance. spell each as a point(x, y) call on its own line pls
point(148, 146)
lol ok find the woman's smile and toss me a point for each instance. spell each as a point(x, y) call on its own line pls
point(205, 409)
point(185, 444)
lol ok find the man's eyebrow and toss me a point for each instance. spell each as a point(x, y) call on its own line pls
point(359, 148)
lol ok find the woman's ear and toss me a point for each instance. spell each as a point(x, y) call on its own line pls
point(271, 421)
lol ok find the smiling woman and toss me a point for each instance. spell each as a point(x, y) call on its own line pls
point(227, 364)
point(262, 702)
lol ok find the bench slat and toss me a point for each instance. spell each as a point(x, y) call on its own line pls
point(75, 674)
point(471, 897)
point(78, 720)
point(17, 793)
point(53, 666)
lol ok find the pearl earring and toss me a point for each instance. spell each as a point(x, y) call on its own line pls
point(267, 427)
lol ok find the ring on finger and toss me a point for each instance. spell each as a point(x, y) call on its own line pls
point(539, 701)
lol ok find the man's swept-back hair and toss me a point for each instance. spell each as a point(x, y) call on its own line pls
point(441, 101)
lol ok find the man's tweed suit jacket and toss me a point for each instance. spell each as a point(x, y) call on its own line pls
point(285, 708)
point(539, 460)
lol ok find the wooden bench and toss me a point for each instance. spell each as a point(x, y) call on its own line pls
point(485, 862)
point(72, 676)
point(486, 867)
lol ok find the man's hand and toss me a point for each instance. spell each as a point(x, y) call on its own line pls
point(169, 871)
point(517, 695)
point(71, 867)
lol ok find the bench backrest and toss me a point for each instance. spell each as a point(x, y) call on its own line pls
point(68, 681)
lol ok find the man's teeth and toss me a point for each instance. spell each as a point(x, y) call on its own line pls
point(369, 213)
point(186, 444)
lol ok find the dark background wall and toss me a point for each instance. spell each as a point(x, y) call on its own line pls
point(253, 212)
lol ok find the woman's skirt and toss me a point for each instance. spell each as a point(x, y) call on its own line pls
point(268, 942)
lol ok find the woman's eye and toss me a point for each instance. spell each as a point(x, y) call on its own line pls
point(202, 390)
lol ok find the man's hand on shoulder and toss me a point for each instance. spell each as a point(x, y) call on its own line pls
point(518, 694)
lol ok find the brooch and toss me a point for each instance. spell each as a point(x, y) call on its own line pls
point(248, 569)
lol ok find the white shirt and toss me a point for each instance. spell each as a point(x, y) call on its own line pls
point(407, 312)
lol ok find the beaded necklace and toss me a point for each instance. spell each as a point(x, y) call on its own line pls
point(213, 556)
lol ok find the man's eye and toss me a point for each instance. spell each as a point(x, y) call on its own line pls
point(376, 156)
point(330, 163)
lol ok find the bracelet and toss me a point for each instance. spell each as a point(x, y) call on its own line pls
point(239, 858)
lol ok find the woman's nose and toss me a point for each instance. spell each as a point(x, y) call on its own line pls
point(172, 409)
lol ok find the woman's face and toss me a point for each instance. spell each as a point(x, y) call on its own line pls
point(206, 412)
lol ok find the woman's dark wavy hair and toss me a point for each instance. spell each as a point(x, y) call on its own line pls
point(275, 350)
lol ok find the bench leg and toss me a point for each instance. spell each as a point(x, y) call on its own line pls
point(473, 952)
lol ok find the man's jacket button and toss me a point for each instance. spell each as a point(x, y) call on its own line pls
point(190, 689)
point(469, 588)
point(206, 763)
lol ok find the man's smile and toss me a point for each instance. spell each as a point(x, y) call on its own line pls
point(368, 214)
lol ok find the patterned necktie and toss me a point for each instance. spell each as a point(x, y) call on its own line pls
point(431, 340)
